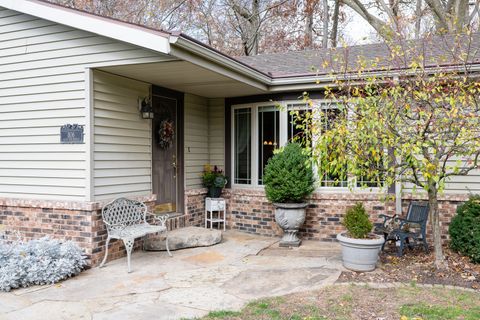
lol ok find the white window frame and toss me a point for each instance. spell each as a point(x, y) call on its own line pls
point(283, 137)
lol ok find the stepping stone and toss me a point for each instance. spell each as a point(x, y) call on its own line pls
point(182, 238)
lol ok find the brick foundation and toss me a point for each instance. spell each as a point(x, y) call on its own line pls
point(80, 222)
point(250, 211)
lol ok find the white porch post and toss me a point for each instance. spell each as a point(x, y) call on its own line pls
point(89, 131)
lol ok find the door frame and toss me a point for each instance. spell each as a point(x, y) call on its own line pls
point(160, 92)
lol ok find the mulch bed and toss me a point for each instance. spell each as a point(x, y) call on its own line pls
point(418, 266)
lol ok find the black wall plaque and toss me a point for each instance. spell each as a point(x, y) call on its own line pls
point(71, 133)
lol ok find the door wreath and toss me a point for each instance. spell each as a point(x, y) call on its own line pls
point(166, 134)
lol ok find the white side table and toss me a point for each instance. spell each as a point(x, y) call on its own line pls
point(218, 206)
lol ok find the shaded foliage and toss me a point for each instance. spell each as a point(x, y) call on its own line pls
point(464, 229)
point(357, 222)
point(288, 175)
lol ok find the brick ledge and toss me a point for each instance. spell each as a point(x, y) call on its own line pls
point(65, 204)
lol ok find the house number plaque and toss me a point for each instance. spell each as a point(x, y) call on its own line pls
point(71, 133)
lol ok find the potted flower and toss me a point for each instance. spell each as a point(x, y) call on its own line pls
point(214, 180)
point(289, 180)
point(360, 247)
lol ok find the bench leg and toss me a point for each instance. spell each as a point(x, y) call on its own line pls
point(403, 240)
point(385, 236)
point(106, 253)
point(128, 246)
point(166, 245)
point(425, 244)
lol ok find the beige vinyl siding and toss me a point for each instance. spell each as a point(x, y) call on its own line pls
point(216, 132)
point(42, 87)
point(196, 139)
point(122, 139)
point(469, 184)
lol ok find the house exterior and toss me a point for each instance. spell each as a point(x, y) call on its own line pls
point(62, 69)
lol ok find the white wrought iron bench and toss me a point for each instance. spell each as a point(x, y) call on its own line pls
point(126, 220)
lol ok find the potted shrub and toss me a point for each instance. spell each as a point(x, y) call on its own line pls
point(289, 180)
point(360, 247)
point(214, 180)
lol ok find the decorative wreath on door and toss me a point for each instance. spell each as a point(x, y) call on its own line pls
point(166, 134)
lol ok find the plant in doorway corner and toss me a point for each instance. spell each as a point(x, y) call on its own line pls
point(214, 180)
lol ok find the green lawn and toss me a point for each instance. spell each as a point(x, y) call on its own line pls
point(361, 302)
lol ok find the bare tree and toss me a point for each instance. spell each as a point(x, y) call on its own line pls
point(450, 16)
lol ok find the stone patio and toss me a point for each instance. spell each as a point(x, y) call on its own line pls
point(195, 281)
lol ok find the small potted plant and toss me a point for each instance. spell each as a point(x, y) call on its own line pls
point(289, 180)
point(360, 247)
point(214, 180)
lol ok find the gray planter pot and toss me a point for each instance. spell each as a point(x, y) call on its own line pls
point(360, 254)
point(290, 217)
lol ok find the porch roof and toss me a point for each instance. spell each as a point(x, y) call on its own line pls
point(188, 77)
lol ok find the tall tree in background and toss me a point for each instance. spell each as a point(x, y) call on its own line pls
point(236, 27)
point(389, 17)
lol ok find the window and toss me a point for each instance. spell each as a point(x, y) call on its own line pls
point(376, 179)
point(242, 146)
point(299, 118)
point(259, 129)
point(328, 114)
point(268, 136)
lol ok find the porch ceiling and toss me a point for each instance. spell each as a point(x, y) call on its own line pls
point(185, 77)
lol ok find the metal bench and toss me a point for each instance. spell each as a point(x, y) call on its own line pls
point(413, 226)
point(126, 220)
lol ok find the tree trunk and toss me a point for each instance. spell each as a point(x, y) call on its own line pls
point(335, 17)
point(437, 233)
point(325, 24)
point(309, 28)
point(418, 18)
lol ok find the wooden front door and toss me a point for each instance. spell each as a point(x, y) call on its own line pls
point(167, 160)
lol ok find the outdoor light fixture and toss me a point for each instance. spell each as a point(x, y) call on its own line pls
point(146, 109)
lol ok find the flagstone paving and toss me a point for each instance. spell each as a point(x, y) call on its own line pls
point(188, 285)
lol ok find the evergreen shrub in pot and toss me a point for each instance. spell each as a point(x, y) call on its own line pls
point(360, 247)
point(289, 180)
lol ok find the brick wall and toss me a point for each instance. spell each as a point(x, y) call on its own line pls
point(195, 207)
point(250, 211)
point(80, 222)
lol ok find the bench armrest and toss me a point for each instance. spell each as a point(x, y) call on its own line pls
point(162, 219)
point(386, 217)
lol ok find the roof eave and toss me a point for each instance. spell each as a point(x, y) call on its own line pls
point(199, 49)
point(146, 38)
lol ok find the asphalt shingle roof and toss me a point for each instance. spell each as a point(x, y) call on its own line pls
point(437, 50)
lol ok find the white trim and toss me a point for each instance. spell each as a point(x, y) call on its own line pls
point(89, 135)
point(143, 37)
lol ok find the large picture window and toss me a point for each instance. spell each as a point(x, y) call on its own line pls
point(259, 129)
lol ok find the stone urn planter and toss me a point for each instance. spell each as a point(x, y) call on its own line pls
point(290, 217)
point(289, 181)
point(360, 254)
point(360, 247)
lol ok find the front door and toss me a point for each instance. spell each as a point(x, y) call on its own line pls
point(167, 164)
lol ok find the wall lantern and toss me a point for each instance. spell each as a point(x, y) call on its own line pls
point(145, 107)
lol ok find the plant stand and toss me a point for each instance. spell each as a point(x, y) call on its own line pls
point(218, 206)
